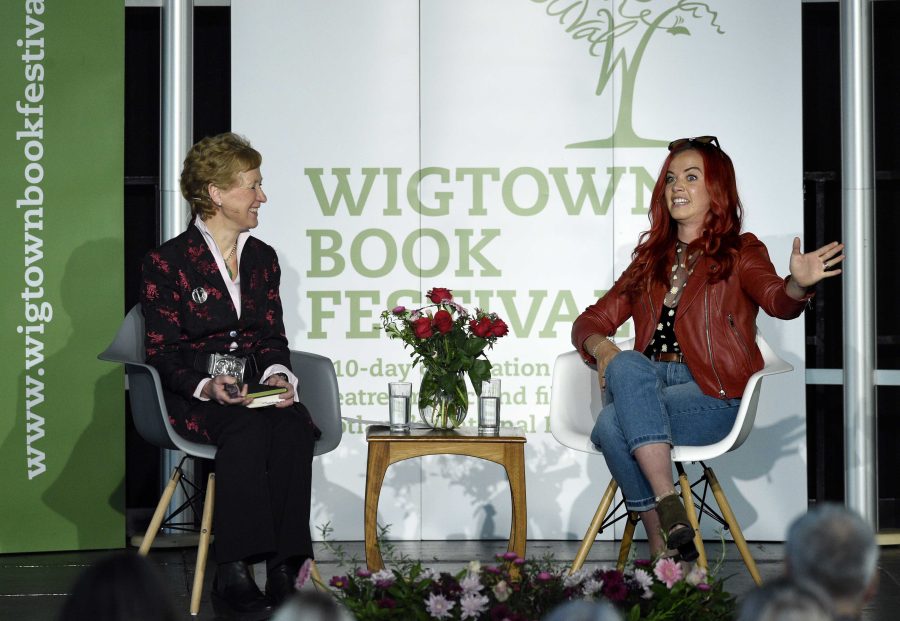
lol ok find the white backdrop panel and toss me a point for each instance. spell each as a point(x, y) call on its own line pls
point(348, 100)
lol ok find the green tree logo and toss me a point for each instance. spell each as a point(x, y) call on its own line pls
point(603, 24)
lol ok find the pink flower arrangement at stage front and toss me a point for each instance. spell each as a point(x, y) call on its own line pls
point(520, 590)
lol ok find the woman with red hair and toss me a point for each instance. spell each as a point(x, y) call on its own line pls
point(693, 288)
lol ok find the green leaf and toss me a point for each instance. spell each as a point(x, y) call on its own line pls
point(479, 372)
point(474, 345)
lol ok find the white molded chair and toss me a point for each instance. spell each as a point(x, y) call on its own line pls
point(319, 393)
point(575, 403)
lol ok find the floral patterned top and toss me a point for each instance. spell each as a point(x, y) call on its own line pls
point(664, 340)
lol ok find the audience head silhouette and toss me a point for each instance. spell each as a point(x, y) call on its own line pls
point(783, 599)
point(834, 549)
point(121, 587)
point(312, 606)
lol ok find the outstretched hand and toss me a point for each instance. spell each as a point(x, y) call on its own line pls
point(810, 267)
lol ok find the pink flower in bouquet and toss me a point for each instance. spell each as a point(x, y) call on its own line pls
point(386, 602)
point(574, 579)
point(696, 576)
point(643, 562)
point(501, 591)
point(399, 310)
point(439, 294)
point(645, 580)
point(383, 579)
point(591, 586)
point(303, 574)
point(339, 582)
point(472, 605)
point(668, 572)
point(614, 587)
point(471, 583)
point(438, 606)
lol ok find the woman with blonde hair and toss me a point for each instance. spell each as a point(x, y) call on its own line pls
point(211, 302)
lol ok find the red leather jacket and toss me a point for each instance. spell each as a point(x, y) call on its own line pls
point(715, 322)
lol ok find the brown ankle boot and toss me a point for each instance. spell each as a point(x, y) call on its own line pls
point(676, 528)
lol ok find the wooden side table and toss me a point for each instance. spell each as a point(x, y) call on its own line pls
point(386, 448)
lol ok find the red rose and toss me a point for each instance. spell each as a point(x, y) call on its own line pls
point(438, 295)
point(481, 328)
point(422, 327)
point(499, 327)
point(443, 322)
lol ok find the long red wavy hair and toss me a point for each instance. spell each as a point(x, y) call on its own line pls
point(720, 238)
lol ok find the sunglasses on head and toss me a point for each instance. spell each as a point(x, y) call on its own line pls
point(688, 142)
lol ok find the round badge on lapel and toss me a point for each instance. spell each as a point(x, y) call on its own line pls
point(199, 295)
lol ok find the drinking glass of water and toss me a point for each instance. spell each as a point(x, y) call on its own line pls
point(489, 407)
point(399, 394)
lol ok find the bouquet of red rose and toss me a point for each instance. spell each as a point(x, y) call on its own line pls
point(450, 343)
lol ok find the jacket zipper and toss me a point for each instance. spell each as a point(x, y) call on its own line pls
point(738, 336)
point(709, 342)
point(644, 302)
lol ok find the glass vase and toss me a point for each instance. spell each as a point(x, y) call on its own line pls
point(443, 400)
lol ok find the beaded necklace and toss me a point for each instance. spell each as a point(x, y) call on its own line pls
point(228, 258)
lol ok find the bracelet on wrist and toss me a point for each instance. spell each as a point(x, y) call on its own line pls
point(597, 346)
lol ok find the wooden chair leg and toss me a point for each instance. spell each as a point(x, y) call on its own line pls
point(627, 539)
point(733, 525)
point(160, 512)
point(594, 528)
point(691, 510)
point(203, 546)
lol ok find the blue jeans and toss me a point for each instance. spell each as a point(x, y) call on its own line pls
point(651, 402)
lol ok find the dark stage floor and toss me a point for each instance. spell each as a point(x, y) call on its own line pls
point(33, 586)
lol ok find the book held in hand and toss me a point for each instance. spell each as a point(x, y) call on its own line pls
point(264, 395)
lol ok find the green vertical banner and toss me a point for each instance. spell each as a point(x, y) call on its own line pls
point(62, 450)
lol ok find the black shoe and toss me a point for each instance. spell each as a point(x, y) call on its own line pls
point(236, 596)
point(281, 579)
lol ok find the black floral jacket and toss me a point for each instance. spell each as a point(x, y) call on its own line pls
point(188, 310)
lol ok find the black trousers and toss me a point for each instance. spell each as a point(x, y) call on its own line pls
point(263, 479)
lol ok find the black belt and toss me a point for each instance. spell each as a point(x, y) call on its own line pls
point(240, 367)
point(667, 357)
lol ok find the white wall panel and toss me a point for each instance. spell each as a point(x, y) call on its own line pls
point(505, 87)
